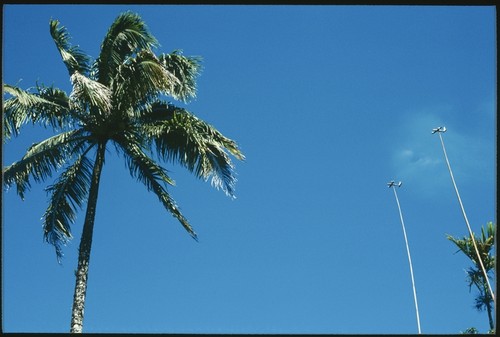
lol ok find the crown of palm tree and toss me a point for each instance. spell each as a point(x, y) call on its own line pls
point(475, 276)
point(119, 98)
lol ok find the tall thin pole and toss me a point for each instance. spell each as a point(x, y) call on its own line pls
point(393, 185)
point(440, 130)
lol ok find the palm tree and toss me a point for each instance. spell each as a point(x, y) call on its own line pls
point(118, 99)
point(475, 276)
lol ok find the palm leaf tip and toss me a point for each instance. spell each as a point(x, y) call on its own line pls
point(74, 58)
point(152, 175)
point(58, 243)
point(194, 236)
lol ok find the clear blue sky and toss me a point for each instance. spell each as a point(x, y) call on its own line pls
point(328, 103)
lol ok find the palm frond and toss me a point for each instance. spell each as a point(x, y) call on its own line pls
point(155, 111)
point(142, 79)
point(488, 236)
point(186, 70)
point(87, 91)
point(68, 194)
point(196, 145)
point(43, 158)
point(484, 300)
point(484, 246)
point(152, 176)
point(49, 106)
point(475, 277)
point(74, 58)
point(127, 35)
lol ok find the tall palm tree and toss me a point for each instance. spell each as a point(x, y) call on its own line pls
point(475, 276)
point(118, 99)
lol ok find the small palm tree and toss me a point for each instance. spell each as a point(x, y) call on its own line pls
point(475, 275)
point(118, 99)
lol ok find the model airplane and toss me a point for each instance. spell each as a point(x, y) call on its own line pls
point(392, 183)
point(439, 129)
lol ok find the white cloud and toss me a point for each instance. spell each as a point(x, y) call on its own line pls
point(417, 161)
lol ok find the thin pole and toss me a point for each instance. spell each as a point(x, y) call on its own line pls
point(409, 258)
point(439, 131)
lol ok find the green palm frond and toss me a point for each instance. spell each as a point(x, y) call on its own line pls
point(186, 70)
point(155, 112)
point(483, 300)
point(74, 58)
point(196, 145)
point(152, 176)
point(475, 277)
point(141, 79)
point(484, 246)
point(127, 35)
point(465, 246)
point(48, 106)
point(488, 237)
point(461, 244)
point(87, 91)
point(43, 158)
point(68, 194)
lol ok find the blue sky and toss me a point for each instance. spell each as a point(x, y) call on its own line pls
point(328, 103)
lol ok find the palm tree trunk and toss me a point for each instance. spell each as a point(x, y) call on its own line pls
point(490, 317)
point(489, 309)
point(85, 245)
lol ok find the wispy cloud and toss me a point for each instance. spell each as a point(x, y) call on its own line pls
point(416, 161)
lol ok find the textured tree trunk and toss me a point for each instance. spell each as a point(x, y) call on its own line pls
point(490, 318)
point(85, 245)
